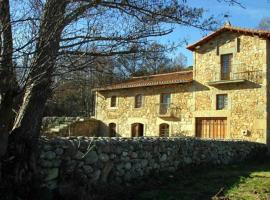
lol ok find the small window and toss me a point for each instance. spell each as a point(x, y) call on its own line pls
point(164, 130)
point(222, 101)
point(113, 101)
point(138, 101)
point(112, 130)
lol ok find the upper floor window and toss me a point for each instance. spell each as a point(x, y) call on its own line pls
point(138, 101)
point(222, 101)
point(113, 101)
point(165, 101)
point(226, 66)
point(165, 98)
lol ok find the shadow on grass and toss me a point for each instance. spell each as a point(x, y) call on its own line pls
point(196, 183)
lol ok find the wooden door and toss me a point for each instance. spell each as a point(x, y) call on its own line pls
point(137, 130)
point(215, 128)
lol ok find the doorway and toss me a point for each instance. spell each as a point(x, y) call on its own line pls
point(137, 130)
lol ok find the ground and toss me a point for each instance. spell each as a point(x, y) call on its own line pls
point(245, 181)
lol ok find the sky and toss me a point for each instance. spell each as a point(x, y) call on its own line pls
point(247, 17)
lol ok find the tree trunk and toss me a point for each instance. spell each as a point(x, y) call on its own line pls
point(8, 83)
point(24, 136)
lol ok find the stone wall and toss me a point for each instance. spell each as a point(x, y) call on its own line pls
point(65, 162)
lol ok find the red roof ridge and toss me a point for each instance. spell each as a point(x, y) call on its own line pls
point(162, 74)
point(259, 32)
point(152, 80)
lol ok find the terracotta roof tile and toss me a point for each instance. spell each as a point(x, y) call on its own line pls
point(260, 33)
point(152, 80)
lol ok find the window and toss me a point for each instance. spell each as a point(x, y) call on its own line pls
point(164, 130)
point(113, 101)
point(222, 101)
point(112, 130)
point(226, 65)
point(165, 101)
point(138, 101)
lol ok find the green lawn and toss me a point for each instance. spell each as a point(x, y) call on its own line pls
point(247, 181)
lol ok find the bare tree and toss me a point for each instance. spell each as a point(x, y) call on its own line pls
point(44, 31)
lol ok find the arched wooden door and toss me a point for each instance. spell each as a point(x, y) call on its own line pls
point(137, 130)
point(112, 130)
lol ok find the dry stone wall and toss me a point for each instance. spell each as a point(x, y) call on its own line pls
point(94, 162)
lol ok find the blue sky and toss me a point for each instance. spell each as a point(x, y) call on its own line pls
point(248, 17)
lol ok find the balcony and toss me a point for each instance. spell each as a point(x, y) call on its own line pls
point(255, 76)
point(168, 110)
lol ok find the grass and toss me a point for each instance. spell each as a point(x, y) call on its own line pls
point(244, 181)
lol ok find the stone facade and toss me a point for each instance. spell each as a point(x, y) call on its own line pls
point(67, 163)
point(247, 102)
point(125, 114)
point(247, 92)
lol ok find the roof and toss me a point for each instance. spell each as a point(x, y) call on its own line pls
point(260, 33)
point(152, 80)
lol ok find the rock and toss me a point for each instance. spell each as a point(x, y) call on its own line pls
point(47, 147)
point(91, 157)
point(95, 176)
point(144, 163)
point(46, 163)
point(56, 163)
point(128, 166)
point(134, 155)
point(187, 160)
point(127, 176)
point(119, 166)
point(163, 158)
point(52, 174)
point(80, 164)
point(104, 157)
point(49, 155)
point(52, 184)
point(112, 156)
point(87, 169)
point(79, 155)
point(59, 151)
point(124, 153)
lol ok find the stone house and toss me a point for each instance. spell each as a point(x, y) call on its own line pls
point(225, 96)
